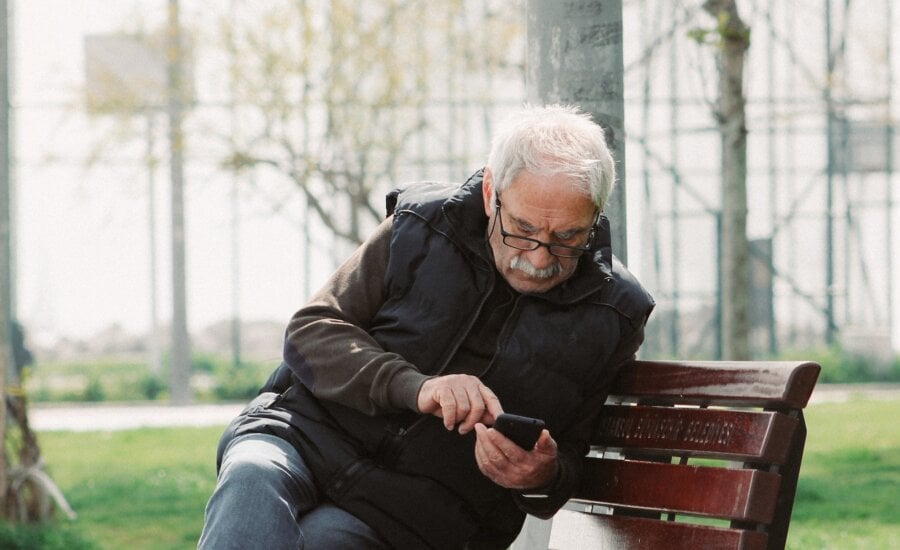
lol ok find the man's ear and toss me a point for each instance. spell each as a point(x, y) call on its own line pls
point(487, 191)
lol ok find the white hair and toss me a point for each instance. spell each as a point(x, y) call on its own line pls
point(552, 140)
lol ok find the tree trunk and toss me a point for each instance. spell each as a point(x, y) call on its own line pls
point(575, 56)
point(180, 355)
point(734, 40)
point(6, 352)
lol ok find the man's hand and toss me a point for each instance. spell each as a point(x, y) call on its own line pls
point(459, 399)
point(510, 466)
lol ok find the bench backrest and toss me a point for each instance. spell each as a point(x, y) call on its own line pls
point(678, 441)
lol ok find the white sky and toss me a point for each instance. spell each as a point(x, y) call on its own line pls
point(83, 239)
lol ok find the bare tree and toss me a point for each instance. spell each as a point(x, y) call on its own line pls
point(6, 292)
point(320, 92)
point(731, 38)
point(180, 355)
point(331, 99)
point(131, 78)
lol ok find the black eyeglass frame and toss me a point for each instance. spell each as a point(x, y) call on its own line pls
point(553, 248)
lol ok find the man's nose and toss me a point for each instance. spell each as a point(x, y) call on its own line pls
point(540, 257)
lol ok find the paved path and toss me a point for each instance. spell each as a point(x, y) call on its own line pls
point(89, 417)
point(836, 393)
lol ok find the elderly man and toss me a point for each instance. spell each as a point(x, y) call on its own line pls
point(498, 295)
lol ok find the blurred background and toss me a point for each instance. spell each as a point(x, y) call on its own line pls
point(147, 223)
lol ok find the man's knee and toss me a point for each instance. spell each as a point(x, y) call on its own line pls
point(247, 468)
point(266, 463)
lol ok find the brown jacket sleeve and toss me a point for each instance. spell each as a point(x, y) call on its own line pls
point(327, 344)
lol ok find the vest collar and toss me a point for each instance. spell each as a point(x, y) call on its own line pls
point(464, 211)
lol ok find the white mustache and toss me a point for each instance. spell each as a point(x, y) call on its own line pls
point(523, 265)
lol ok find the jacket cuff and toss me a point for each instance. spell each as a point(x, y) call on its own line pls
point(403, 389)
point(544, 501)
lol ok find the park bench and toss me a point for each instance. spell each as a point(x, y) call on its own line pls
point(699, 455)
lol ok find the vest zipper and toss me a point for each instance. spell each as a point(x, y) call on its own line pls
point(504, 332)
point(463, 334)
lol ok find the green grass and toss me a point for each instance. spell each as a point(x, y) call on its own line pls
point(147, 488)
point(138, 488)
point(849, 489)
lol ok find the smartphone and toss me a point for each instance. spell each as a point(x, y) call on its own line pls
point(522, 430)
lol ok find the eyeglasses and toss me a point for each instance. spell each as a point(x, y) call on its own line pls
point(527, 243)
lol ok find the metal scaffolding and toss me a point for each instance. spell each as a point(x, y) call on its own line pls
point(820, 172)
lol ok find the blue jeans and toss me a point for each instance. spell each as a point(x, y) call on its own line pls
point(265, 498)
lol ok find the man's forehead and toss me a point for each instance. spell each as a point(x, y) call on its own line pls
point(555, 195)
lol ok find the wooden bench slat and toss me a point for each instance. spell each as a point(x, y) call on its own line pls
point(733, 494)
point(579, 530)
point(661, 415)
point(771, 384)
point(762, 436)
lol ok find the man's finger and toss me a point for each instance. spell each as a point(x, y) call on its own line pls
point(491, 402)
point(483, 449)
point(545, 443)
point(448, 405)
point(475, 414)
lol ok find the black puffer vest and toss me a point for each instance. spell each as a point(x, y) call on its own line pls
point(405, 475)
